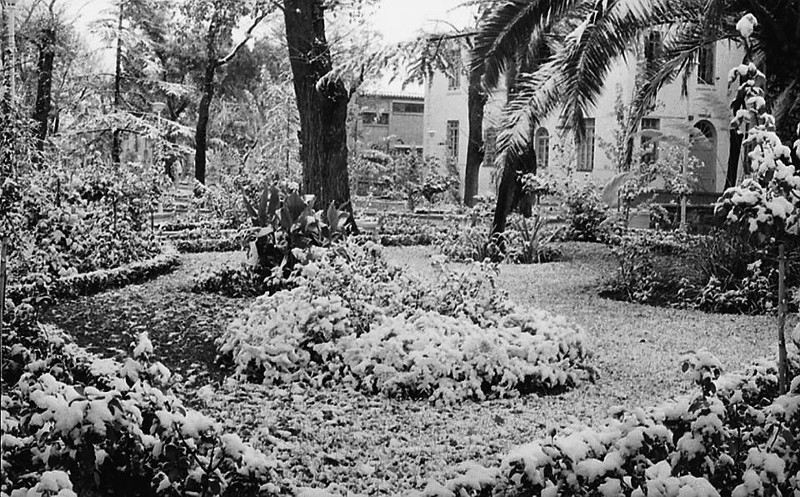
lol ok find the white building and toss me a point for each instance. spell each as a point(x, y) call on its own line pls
point(704, 117)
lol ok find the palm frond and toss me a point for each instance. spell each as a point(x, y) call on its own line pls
point(514, 25)
point(607, 38)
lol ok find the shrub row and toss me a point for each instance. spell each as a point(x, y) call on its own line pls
point(77, 424)
point(352, 317)
point(96, 281)
point(720, 272)
point(525, 241)
point(197, 245)
point(735, 436)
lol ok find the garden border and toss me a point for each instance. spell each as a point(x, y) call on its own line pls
point(99, 280)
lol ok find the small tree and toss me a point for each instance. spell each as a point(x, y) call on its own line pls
point(767, 202)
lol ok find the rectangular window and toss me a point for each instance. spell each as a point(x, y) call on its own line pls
point(653, 47)
point(705, 65)
point(489, 147)
point(373, 118)
point(454, 78)
point(586, 147)
point(408, 108)
point(452, 142)
point(648, 143)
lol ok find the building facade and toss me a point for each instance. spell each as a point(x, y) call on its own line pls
point(389, 122)
point(701, 118)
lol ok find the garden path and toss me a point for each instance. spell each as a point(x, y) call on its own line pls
point(374, 445)
point(182, 324)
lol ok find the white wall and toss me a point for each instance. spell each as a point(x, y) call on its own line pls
point(678, 115)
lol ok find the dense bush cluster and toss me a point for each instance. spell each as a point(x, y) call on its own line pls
point(585, 214)
point(64, 222)
point(77, 424)
point(285, 227)
point(735, 436)
point(720, 272)
point(525, 241)
point(401, 231)
point(352, 317)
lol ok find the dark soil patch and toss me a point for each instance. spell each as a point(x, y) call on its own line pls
point(181, 324)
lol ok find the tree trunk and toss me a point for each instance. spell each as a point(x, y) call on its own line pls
point(510, 194)
point(323, 110)
point(783, 365)
point(116, 147)
point(734, 152)
point(201, 132)
point(10, 55)
point(44, 85)
point(476, 101)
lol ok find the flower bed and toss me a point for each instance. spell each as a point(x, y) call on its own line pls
point(77, 424)
point(193, 240)
point(351, 317)
point(96, 281)
point(735, 436)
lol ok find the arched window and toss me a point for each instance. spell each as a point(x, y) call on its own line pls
point(542, 147)
point(704, 147)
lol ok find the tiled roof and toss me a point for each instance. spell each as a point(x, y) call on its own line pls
point(388, 94)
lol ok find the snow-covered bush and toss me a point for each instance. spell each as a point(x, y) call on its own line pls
point(77, 424)
point(735, 436)
point(448, 358)
point(91, 282)
point(351, 314)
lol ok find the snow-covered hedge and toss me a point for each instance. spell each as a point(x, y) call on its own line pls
point(352, 317)
point(77, 424)
point(449, 358)
point(734, 437)
point(97, 281)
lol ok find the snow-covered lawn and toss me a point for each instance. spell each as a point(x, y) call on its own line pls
point(377, 445)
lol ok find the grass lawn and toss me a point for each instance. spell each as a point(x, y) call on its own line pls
point(384, 446)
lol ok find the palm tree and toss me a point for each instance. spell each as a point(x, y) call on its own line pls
point(574, 43)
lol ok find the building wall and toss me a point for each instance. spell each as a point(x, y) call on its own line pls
point(401, 129)
point(678, 117)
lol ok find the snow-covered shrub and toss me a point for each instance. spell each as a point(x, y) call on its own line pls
point(350, 313)
point(91, 282)
point(735, 436)
point(448, 358)
point(75, 423)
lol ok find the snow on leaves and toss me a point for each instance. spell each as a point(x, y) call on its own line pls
point(112, 431)
point(353, 318)
point(738, 440)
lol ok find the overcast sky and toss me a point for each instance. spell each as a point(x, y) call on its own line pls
point(397, 20)
point(400, 20)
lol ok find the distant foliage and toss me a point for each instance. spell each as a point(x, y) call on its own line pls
point(525, 241)
point(585, 214)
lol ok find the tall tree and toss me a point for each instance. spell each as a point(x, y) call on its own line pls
point(44, 88)
point(222, 16)
point(10, 48)
point(322, 103)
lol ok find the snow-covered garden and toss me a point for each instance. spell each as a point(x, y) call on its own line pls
point(262, 332)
